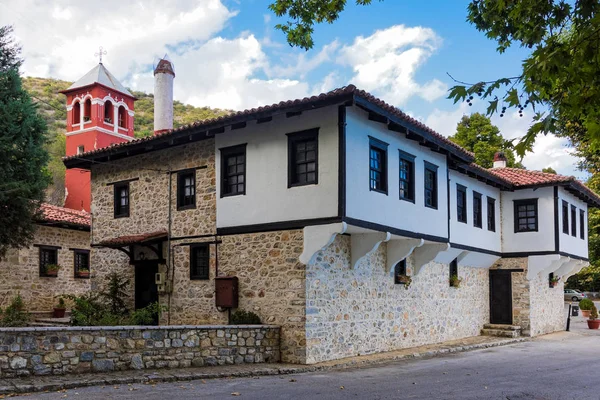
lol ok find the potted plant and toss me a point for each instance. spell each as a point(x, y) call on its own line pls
point(83, 273)
point(52, 269)
point(554, 281)
point(455, 281)
point(593, 322)
point(59, 309)
point(585, 305)
point(403, 280)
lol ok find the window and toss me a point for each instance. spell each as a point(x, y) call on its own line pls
point(233, 170)
point(81, 262)
point(453, 273)
point(582, 224)
point(76, 113)
point(108, 112)
point(477, 213)
point(399, 269)
point(303, 158)
point(121, 200)
point(526, 215)
point(378, 165)
point(199, 261)
point(87, 110)
point(186, 189)
point(491, 214)
point(122, 117)
point(431, 192)
point(565, 217)
point(48, 256)
point(461, 203)
point(407, 176)
point(573, 221)
point(80, 149)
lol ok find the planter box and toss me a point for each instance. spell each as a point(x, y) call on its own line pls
point(593, 323)
point(58, 313)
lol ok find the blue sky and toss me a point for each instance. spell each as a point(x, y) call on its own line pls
point(227, 54)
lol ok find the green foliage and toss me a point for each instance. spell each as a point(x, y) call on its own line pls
point(593, 312)
point(549, 170)
point(242, 317)
point(560, 75)
point(303, 15)
point(15, 314)
point(586, 304)
point(146, 316)
point(477, 134)
point(61, 304)
point(23, 177)
point(115, 293)
point(455, 281)
point(10, 52)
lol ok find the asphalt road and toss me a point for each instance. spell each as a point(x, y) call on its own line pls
point(557, 366)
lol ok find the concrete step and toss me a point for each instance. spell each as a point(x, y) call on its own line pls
point(35, 324)
point(501, 332)
point(55, 321)
point(502, 326)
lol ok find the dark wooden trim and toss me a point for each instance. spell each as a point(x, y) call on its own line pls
point(565, 223)
point(45, 246)
point(410, 159)
point(475, 249)
point(188, 169)
point(193, 236)
point(395, 231)
point(80, 250)
point(225, 152)
point(582, 224)
point(383, 147)
point(115, 188)
point(123, 181)
point(293, 137)
point(508, 271)
point(492, 201)
point(276, 226)
point(264, 119)
point(503, 272)
point(542, 253)
point(463, 190)
point(448, 194)
point(478, 196)
point(192, 264)
point(239, 125)
point(556, 231)
point(194, 243)
point(573, 220)
point(179, 188)
point(290, 114)
point(516, 204)
point(342, 161)
point(431, 168)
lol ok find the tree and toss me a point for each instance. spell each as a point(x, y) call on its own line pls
point(477, 134)
point(23, 158)
point(549, 170)
point(303, 14)
point(559, 80)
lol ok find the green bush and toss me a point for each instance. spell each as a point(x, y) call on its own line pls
point(15, 314)
point(586, 304)
point(594, 312)
point(145, 316)
point(115, 293)
point(242, 317)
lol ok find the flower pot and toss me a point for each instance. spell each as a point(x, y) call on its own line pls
point(585, 313)
point(52, 273)
point(593, 323)
point(83, 274)
point(58, 313)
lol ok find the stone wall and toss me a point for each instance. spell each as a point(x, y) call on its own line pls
point(547, 307)
point(57, 351)
point(354, 311)
point(520, 290)
point(271, 284)
point(20, 272)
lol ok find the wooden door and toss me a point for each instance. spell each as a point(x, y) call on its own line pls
point(146, 291)
point(501, 297)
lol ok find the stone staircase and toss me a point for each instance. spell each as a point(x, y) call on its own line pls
point(44, 319)
point(511, 331)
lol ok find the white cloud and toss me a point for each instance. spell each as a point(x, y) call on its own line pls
point(304, 62)
point(386, 62)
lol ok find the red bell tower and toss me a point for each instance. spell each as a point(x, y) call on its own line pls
point(99, 113)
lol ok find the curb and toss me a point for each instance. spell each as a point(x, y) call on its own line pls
point(157, 377)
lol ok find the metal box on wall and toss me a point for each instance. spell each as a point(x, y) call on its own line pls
point(226, 291)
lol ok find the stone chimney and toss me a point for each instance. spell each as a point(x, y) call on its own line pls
point(499, 160)
point(164, 73)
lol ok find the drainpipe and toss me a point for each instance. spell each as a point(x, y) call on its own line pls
point(170, 259)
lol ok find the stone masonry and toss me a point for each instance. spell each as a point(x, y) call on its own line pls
point(19, 270)
point(356, 311)
point(520, 290)
point(57, 351)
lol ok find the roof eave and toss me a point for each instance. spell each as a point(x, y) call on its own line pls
point(67, 91)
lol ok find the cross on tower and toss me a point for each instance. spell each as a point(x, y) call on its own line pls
point(100, 52)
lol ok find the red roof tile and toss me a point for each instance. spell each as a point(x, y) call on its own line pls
point(55, 214)
point(132, 239)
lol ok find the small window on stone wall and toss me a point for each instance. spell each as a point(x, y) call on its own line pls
point(454, 280)
point(400, 273)
point(199, 261)
point(552, 280)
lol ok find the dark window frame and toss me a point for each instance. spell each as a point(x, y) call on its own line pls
point(43, 262)
point(477, 210)
point(181, 187)
point(194, 267)
point(573, 221)
point(295, 138)
point(565, 217)
point(226, 153)
point(491, 214)
point(461, 210)
point(582, 224)
point(399, 269)
point(121, 211)
point(452, 270)
point(77, 264)
point(433, 169)
point(409, 160)
point(526, 202)
point(381, 148)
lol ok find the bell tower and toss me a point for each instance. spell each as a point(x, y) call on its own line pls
point(99, 113)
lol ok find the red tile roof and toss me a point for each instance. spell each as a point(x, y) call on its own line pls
point(342, 93)
point(61, 215)
point(132, 239)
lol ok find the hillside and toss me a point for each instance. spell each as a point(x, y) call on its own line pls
point(45, 91)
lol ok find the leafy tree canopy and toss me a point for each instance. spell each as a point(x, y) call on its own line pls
point(477, 134)
point(549, 170)
point(23, 158)
point(560, 80)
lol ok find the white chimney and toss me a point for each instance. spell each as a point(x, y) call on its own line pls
point(499, 160)
point(164, 74)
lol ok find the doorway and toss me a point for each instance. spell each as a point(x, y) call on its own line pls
point(146, 291)
point(501, 297)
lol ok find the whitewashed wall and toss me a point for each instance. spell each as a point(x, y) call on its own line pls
point(543, 239)
point(268, 198)
point(568, 243)
point(364, 204)
point(466, 233)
